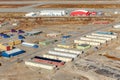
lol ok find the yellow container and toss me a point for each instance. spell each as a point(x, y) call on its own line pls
point(11, 43)
point(17, 42)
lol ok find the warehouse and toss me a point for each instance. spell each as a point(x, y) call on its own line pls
point(33, 33)
point(12, 52)
point(30, 45)
point(40, 65)
point(83, 46)
point(53, 13)
point(62, 58)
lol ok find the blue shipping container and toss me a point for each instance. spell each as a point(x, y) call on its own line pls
point(68, 36)
point(11, 53)
point(5, 36)
point(21, 37)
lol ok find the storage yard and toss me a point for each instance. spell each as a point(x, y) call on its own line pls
point(64, 42)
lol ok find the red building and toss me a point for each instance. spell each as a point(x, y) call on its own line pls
point(80, 13)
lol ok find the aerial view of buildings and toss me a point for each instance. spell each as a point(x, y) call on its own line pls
point(59, 39)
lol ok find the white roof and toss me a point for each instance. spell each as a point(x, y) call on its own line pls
point(80, 10)
point(13, 51)
point(32, 32)
point(29, 44)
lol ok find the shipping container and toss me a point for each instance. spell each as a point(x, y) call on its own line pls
point(105, 35)
point(83, 46)
point(99, 37)
point(63, 54)
point(48, 60)
point(66, 36)
point(93, 39)
point(21, 37)
point(13, 52)
point(17, 42)
point(87, 42)
point(30, 45)
point(68, 50)
point(62, 58)
point(11, 43)
point(13, 30)
point(5, 36)
point(40, 65)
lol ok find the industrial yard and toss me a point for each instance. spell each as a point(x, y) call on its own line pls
point(60, 40)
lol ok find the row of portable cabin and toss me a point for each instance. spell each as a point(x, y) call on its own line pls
point(96, 39)
point(53, 59)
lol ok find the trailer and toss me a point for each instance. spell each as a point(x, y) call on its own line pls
point(48, 61)
point(40, 65)
point(62, 58)
point(63, 54)
point(68, 50)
